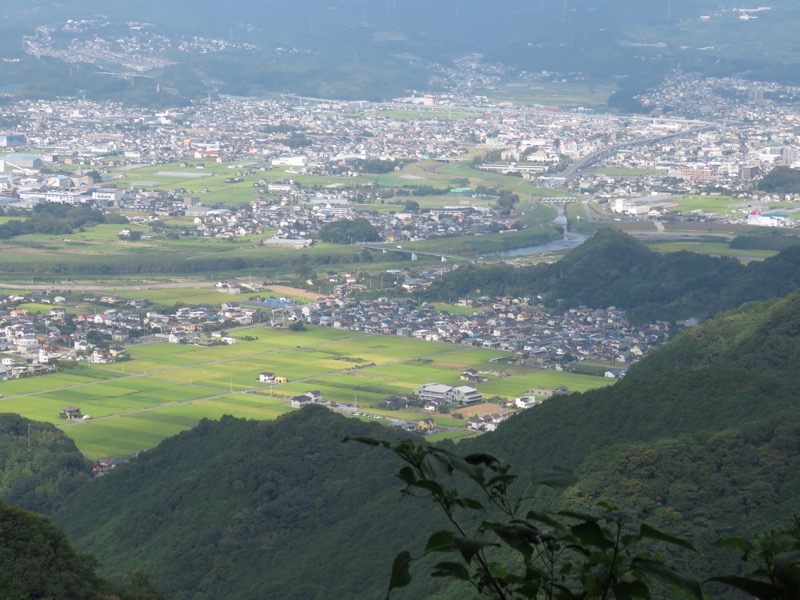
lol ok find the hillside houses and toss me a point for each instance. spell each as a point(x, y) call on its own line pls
point(487, 422)
point(32, 341)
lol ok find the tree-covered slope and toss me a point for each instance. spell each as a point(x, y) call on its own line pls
point(38, 561)
point(39, 465)
point(703, 488)
point(615, 269)
point(702, 435)
point(246, 509)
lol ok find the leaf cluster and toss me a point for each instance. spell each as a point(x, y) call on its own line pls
point(504, 549)
point(776, 575)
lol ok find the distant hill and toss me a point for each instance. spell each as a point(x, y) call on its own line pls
point(355, 49)
point(615, 269)
point(781, 180)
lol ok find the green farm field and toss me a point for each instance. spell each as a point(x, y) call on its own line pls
point(713, 248)
point(511, 387)
point(206, 294)
point(166, 388)
point(567, 94)
point(128, 434)
point(718, 205)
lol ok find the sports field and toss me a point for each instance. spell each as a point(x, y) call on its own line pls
point(167, 388)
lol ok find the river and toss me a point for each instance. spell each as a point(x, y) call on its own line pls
point(571, 239)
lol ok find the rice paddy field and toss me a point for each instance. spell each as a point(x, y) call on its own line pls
point(713, 248)
point(166, 388)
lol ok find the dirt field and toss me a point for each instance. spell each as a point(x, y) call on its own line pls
point(290, 291)
point(478, 410)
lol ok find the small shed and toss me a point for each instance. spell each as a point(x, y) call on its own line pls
point(71, 413)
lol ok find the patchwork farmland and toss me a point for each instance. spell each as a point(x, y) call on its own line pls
point(167, 388)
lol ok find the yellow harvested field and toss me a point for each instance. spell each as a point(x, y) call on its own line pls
point(290, 291)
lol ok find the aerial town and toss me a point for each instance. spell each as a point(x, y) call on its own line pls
point(730, 141)
point(695, 140)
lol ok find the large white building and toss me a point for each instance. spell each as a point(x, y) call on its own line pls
point(440, 393)
point(769, 220)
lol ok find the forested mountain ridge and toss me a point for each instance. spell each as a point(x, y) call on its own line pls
point(614, 269)
point(761, 337)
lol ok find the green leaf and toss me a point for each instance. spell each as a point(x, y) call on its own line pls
point(441, 541)
point(576, 515)
point(469, 547)
point(481, 458)
point(432, 486)
point(632, 589)
point(533, 529)
point(471, 503)
point(533, 515)
point(401, 576)
point(555, 477)
point(591, 534)
point(759, 589)
point(652, 533)
point(517, 537)
point(366, 440)
point(436, 464)
point(737, 543)
point(663, 573)
point(450, 569)
point(786, 559)
point(407, 475)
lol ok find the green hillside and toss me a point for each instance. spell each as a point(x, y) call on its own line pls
point(38, 561)
point(39, 465)
point(245, 509)
point(615, 269)
point(358, 49)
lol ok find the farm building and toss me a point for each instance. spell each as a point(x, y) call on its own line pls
point(71, 413)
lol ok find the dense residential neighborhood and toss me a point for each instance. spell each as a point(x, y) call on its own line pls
point(531, 334)
point(88, 153)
